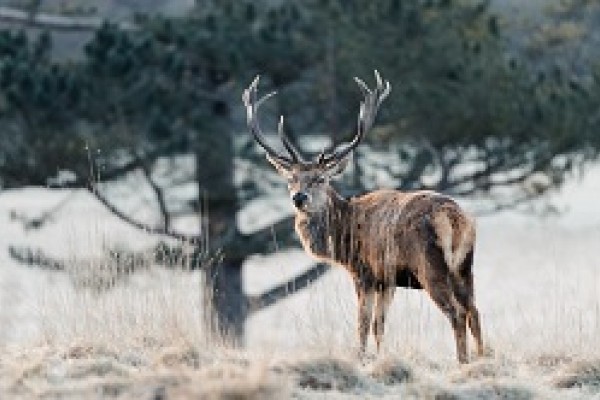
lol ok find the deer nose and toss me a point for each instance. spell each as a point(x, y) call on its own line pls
point(299, 199)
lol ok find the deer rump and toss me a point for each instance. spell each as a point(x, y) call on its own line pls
point(438, 230)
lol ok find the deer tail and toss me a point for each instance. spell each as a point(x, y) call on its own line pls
point(455, 233)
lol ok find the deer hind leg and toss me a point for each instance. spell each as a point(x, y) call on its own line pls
point(383, 298)
point(464, 293)
point(475, 327)
point(438, 284)
point(366, 297)
point(441, 295)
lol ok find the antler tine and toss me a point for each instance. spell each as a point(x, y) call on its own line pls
point(383, 87)
point(378, 78)
point(249, 97)
point(292, 151)
point(366, 116)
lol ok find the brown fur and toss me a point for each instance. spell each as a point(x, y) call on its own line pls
point(385, 234)
point(383, 238)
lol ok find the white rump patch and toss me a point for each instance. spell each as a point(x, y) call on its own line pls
point(445, 234)
point(443, 229)
point(465, 243)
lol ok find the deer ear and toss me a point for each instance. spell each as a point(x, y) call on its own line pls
point(281, 168)
point(338, 167)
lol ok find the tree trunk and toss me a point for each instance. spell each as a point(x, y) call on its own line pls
point(227, 305)
point(226, 308)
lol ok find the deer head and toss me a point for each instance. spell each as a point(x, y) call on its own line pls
point(308, 181)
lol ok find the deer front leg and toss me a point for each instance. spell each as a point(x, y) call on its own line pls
point(366, 297)
point(383, 298)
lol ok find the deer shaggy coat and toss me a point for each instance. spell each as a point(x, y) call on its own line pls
point(386, 238)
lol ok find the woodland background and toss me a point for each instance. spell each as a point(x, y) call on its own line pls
point(136, 106)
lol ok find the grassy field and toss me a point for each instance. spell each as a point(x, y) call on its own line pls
point(537, 286)
point(144, 339)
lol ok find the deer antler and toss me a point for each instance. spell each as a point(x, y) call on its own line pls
point(252, 103)
point(366, 116)
point(292, 151)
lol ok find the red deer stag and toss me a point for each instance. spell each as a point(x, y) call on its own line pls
point(385, 238)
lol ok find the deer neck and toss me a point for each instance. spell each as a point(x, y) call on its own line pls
point(325, 234)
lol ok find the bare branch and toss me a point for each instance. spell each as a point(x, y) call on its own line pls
point(160, 198)
point(139, 225)
point(240, 245)
point(280, 292)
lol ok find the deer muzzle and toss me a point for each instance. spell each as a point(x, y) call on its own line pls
point(299, 199)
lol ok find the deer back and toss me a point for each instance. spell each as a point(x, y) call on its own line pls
point(383, 232)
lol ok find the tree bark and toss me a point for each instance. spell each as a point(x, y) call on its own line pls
point(225, 302)
point(226, 305)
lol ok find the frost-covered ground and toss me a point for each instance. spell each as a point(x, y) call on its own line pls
point(537, 283)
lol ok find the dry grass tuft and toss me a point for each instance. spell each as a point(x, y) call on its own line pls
point(549, 361)
point(186, 356)
point(484, 392)
point(392, 372)
point(229, 382)
point(483, 370)
point(86, 372)
point(579, 374)
point(328, 374)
